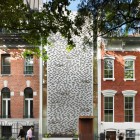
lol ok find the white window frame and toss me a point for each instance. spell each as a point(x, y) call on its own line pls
point(5, 99)
point(109, 93)
point(112, 58)
point(130, 58)
point(29, 103)
point(25, 65)
point(130, 93)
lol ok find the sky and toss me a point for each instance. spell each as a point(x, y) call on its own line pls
point(73, 5)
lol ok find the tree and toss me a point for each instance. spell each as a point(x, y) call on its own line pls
point(37, 25)
point(109, 18)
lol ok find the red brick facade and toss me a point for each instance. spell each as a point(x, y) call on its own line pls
point(17, 83)
point(120, 85)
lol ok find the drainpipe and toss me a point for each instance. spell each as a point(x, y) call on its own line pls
point(40, 95)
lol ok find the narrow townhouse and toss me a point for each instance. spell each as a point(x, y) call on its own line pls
point(19, 87)
point(119, 88)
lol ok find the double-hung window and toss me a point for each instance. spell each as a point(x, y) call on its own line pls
point(5, 64)
point(109, 105)
point(129, 96)
point(6, 103)
point(129, 68)
point(28, 103)
point(129, 109)
point(109, 68)
point(108, 109)
point(28, 65)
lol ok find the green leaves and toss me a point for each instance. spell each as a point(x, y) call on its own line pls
point(112, 17)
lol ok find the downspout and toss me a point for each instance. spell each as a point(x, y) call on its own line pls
point(40, 95)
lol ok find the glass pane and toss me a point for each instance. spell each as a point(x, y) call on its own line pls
point(110, 99)
point(110, 105)
point(126, 112)
point(28, 68)
point(5, 95)
point(4, 108)
point(7, 132)
point(26, 108)
point(106, 105)
point(130, 99)
point(126, 99)
point(6, 70)
point(106, 99)
point(9, 110)
point(129, 74)
point(5, 59)
point(28, 92)
point(31, 108)
point(130, 105)
point(108, 64)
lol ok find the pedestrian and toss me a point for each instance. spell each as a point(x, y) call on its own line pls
point(121, 136)
point(29, 135)
point(21, 133)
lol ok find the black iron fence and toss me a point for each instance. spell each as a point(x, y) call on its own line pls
point(10, 130)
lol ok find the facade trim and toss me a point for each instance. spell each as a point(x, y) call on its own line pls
point(129, 93)
point(110, 93)
point(129, 57)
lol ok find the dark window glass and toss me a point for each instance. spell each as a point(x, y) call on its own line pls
point(108, 109)
point(7, 132)
point(28, 103)
point(128, 109)
point(6, 102)
point(5, 64)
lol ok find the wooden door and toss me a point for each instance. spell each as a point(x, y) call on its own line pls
point(86, 129)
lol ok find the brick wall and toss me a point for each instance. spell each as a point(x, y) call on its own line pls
point(119, 84)
point(17, 83)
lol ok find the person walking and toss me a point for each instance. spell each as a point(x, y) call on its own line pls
point(29, 135)
point(21, 133)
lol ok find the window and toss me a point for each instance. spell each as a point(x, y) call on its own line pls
point(28, 66)
point(5, 102)
point(129, 71)
point(109, 105)
point(109, 68)
point(129, 109)
point(108, 109)
point(7, 132)
point(28, 103)
point(5, 64)
point(130, 134)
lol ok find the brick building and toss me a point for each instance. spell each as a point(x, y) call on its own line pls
point(119, 88)
point(19, 86)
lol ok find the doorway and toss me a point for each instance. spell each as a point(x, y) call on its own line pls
point(86, 128)
point(111, 135)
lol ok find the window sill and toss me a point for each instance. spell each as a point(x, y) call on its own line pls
point(5, 75)
point(29, 75)
point(129, 79)
point(108, 79)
